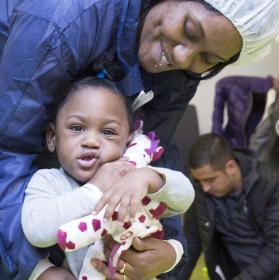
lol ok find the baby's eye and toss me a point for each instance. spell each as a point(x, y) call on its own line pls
point(108, 132)
point(76, 128)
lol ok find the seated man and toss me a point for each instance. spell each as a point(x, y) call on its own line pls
point(234, 217)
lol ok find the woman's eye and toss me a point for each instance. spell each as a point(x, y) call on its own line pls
point(191, 37)
point(189, 32)
point(108, 132)
point(206, 60)
point(77, 128)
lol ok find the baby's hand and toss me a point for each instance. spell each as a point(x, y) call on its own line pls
point(109, 173)
point(128, 193)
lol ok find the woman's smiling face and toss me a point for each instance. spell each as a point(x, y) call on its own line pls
point(186, 35)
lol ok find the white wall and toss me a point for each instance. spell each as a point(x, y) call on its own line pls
point(204, 98)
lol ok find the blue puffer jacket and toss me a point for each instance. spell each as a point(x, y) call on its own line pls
point(44, 45)
point(245, 99)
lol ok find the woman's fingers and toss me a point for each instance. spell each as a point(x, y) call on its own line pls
point(103, 268)
point(109, 243)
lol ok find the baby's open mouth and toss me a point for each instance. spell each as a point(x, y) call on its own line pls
point(87, 160)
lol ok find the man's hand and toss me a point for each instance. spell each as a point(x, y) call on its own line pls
point(149, 258)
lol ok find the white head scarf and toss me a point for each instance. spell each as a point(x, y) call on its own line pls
point(257, 21)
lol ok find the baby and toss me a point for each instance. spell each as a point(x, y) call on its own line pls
point(90, 229)
point(90, 132)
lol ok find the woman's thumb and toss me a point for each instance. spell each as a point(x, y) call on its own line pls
point(139, 244)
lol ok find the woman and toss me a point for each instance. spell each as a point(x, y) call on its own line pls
point(45, 44)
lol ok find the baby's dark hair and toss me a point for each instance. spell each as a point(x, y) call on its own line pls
point(87, 82)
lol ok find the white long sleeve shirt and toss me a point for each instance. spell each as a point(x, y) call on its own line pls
point(53, 198)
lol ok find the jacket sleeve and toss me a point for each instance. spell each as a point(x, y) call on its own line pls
point(258, 84)
point(15, 172)
point(28, 64)
point(192, 235)
point(219, 105)
point(173, 91)
point(32, 69)
point(266, 266)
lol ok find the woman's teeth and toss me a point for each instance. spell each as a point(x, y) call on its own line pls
point(163, 60)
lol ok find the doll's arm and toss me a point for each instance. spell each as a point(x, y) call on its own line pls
point(83, 232)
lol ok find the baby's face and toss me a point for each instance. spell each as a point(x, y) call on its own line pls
point(91, 129)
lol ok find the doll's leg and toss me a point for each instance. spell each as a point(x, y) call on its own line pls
point(88, 271)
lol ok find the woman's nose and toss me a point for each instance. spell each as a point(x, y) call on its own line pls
point(185, 55)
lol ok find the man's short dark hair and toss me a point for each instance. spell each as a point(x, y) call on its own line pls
point(212, 149)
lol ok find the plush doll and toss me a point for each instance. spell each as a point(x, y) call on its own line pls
point(89, 230)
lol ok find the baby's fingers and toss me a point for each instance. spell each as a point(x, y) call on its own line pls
point(133, 208)
point(123, 210)
point(112, 203)
point(107, 198)
point(100, 205)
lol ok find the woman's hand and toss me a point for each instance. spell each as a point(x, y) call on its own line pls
point(149, 258)
point(128, 192)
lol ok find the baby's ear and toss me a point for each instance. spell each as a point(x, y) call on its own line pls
point(50, 137)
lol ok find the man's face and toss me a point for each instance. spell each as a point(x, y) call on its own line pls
point(216, 182)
